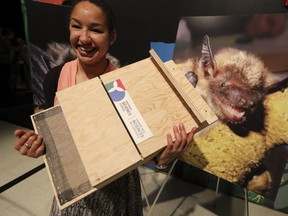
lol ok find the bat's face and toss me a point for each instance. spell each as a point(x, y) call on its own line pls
point(231, 82)
point(231, 98)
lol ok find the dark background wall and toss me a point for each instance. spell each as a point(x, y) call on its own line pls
point(12, 18)
point(15, 103)
point(140, 22)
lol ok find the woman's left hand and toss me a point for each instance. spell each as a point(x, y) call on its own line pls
point(174, 149)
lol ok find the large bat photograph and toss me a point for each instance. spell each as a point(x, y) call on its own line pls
point(239, 66)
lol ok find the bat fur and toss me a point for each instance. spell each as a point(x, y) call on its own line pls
point(233, 82)
point(237, 85)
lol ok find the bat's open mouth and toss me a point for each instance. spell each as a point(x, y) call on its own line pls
point(233, 114)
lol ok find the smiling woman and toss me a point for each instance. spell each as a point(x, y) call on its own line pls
point(92, 32)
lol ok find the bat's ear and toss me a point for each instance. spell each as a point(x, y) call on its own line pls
point(275, 81)
point(207, 62)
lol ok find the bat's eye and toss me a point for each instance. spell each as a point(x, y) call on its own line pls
point(222, 85)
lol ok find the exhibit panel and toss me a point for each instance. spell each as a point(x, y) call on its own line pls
point(232, 60)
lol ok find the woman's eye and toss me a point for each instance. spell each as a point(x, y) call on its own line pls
point(75, 26)
point(97, 30)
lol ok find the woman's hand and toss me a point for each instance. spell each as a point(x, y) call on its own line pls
point(174, 149)
point(29, 143)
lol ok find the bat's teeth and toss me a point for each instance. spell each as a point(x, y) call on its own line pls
point(237, 109)
point(240, 115)
point(236, 112)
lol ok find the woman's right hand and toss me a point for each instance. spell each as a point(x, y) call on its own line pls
point(29, 143)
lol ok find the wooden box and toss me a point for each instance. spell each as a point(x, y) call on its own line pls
point(92, 138)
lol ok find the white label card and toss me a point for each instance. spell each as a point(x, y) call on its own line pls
point(129, 113)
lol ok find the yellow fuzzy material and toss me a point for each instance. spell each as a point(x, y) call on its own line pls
point(225, 154)
point(276, 123)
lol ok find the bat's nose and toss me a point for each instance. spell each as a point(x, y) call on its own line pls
point(242, 101)
point(245, 102)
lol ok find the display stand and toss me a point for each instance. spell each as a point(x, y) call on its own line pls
point(246, 201)
point(245, 197)
point(165, 181)
point(161, 188)
point(217, 190)
point(145, 193)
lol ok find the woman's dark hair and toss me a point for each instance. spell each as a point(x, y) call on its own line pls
point(110, 17)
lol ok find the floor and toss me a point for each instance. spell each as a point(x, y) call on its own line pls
point(33, 195)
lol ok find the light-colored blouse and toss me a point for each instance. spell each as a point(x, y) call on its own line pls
point(67, 76)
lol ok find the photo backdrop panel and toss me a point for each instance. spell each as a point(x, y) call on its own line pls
point(239, 149)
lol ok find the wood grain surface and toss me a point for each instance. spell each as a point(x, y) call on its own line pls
point(106, 149)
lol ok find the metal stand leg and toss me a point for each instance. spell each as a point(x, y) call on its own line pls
point(217, 189)
point(245, 194)
point(145, 193)
point(161, 188)
point(246, 202)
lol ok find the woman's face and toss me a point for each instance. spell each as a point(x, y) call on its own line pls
point(89, 35)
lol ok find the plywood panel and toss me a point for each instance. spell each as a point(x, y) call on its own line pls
point(62, 159)
point(103, 144)
point(156, 100)
point(99, 135)
point(198, 103)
